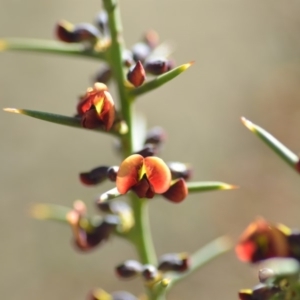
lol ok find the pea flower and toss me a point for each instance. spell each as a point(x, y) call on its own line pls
point(262, 240)
point(146, 176)
point(96, 108)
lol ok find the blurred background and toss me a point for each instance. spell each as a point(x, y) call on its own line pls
point(247, 57)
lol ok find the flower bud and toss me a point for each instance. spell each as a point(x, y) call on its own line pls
point(64, 31)
point(136, 74)
point(86, 32)
point(103, 75)
point(150, 273)
point(140, 52)
point(151, 38)
point(96, 108)
point(94, 176)
point(178, 262)
point(87, 234)
point(112, 173)
point(101, 22)
point(180, 170)
point(155, 136)
point(264, 292)
point(148, 150)
point(158, 66)
point(265, 274)
point(177, 192)
point(294, 244)
point(129, 269)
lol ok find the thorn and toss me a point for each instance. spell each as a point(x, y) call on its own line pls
point(229, 187)
point(248, 124)
point(12, 110)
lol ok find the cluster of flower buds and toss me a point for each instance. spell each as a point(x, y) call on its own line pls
point(84, 32)
point(96, 108)
point(120, 209)
point(91, 232)
point(172, 262)
point(144, 173)
point(99, 294)
point(281, 283)
point(144, 57)
point(262, 240)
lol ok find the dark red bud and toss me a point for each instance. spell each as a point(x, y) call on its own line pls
point(178, 262)
point(136, 74)
point(150, 273)
point(94, 176)
point(177, 192)
point(122, 295)
point(112, 173)
point(64, 32)
point(294, 244)
point(103, 75)
point(148, 150)
point(264, 292)
point(143, 189)
point(102, 22)
point(158, 66)
point(102, 232)
point(86, 32)
point(246, 295)
point(155, 136)
point(129, 269)
point(151, 38)
point(180, 170)
point(140, 52)
point(90, 120)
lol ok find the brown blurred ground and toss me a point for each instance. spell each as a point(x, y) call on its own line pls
point(247, 63)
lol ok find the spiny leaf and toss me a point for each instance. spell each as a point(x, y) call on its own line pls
point(54, 118)
point(204, 186)
point(286, 154)
point(201, 257)
point(159, 80)
point(48, 46)
point(50, 212)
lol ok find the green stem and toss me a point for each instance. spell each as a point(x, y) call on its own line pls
point(141, 234)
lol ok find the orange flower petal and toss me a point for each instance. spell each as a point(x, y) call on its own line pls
point(127, 175)
point(158, 174)
point(108, 111)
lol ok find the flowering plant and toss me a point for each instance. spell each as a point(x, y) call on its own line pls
point(141, 174)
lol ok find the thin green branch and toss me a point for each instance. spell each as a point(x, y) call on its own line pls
point(140, 233)
point(286, 154)
point(202, 257)
point(58, 119)
point(49, 46)
point(159, 80)
point(204, 186)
